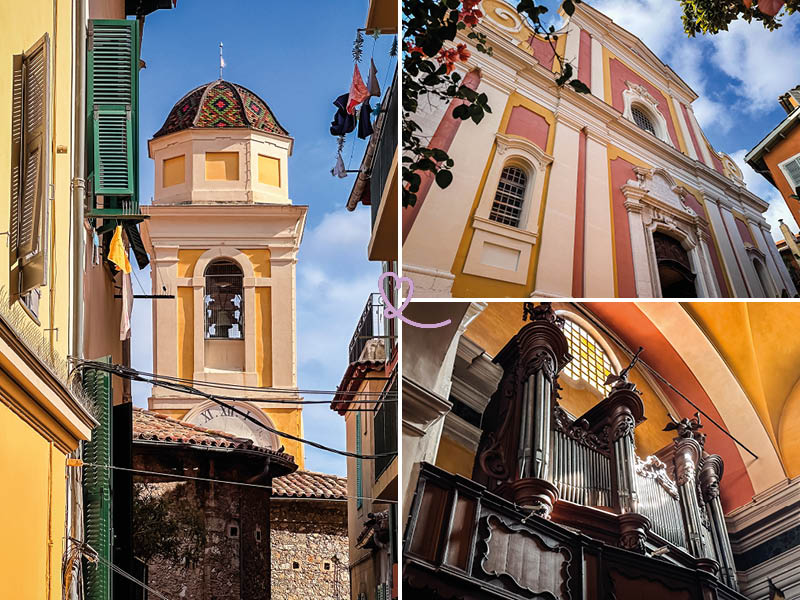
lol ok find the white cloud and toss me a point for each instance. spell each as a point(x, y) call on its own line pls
point(763, 62)
point(334, 279)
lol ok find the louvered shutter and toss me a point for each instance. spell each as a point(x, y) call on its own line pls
point(359, 466)
point(97, 484)
point(16, 155)
point(792, 171)
point(112, 81)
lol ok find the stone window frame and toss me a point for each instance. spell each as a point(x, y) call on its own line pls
point(763, 276)
point(637, 96)
point(521, 153)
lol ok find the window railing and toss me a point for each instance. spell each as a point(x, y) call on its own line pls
point(370, 326)
point(385, 151)
point(385, 424)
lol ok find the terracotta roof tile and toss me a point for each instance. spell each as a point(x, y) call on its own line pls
point(151, 426)
point(307, 484)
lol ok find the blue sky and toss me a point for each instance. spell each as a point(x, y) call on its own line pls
point(297, 57)
point(738, 75)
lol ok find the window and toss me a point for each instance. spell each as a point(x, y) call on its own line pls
point(173, 171)
point(269, 170)
point(791, 170)
point(224, 301)
point(507, 206)
point(589, 360)
point(642, 120)
point(29, 134)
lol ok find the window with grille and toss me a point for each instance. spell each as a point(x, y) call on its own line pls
point(507, 207)
point(642, 120)
point(589, 360)
point(224, 301)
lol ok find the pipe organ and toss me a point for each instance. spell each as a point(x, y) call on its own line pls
point(535, 455)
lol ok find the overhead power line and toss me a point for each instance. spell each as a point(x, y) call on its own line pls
point(128, 373)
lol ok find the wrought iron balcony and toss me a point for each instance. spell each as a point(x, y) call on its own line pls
point(385, 150)
point(370, 326)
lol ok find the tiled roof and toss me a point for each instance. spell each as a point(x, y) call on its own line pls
point(306, 484)
point(219, 104)
point(151, 426)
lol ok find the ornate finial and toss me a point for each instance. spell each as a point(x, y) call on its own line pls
point(543, 312)
point(687, 428)
point(620, 382)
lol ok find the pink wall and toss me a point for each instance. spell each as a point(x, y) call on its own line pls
point(619, 75)
point(585, 58)
point(744, 232)
point(692, 202)
point(542, 52)
point(526, 123)
point(691, 132)
point(621, 172)
point(717, 163)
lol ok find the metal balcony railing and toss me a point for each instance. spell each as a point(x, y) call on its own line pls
point(370, 326)
point(385, 151)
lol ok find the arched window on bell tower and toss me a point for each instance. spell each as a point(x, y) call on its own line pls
point(224, 301)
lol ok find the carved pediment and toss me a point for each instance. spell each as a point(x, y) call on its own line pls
point(659, 185)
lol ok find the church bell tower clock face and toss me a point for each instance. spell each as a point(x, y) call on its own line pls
point(221, 418)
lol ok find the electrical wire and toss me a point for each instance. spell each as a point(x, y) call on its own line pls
point(658, 375)
point(126, 373)
point(242, 483)
point(227, 386)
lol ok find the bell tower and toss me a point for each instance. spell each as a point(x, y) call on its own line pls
point(223, 236)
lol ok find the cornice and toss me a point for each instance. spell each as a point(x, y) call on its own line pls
point(771, 512)
point(422, 407)
point(463, 433)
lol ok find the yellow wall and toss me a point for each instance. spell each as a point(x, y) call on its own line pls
point(186, 332)
point(289, 420)
point(24, 26)
point(269, 170)
point(259, 257)
point(453, 457)
point(32, 509)
point(187, 259)
point(264, 335)
point(174, 171)
point(222, 166)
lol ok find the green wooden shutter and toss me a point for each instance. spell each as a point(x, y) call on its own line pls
point(113, 57)
point(97, 484)
point(359, 466)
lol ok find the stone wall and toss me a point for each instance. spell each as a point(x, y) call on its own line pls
point(309, 549)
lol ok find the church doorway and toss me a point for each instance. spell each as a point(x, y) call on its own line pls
point(674, 268)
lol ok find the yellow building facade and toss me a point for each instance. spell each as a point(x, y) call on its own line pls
point(223, 236)
point(42, 417)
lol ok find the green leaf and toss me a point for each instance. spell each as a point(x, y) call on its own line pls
point(444, 178)
point(461, 112)
point(580, 87)
point(568, 7)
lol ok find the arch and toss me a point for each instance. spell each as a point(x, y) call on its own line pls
point(591, 360)
point(759, 265)
point(223, 300)
point(637, 97)
point(676, 275)
point(266, 438)
point(223, 252)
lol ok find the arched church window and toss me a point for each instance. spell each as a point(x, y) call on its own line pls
point(224, 301)
point(507, 206)
point(674, 268)
point(589, 361)
point(763, 278)
point(643, 120)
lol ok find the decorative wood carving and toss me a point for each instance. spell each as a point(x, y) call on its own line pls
point(527, 560)
point(653, 468)
point(579, 431)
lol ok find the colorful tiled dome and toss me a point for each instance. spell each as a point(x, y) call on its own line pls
point(220, 104)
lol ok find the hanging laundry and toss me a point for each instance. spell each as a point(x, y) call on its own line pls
point(117, 253)
point(343, 122)
point(339, 169)
point(127, 307)
point(372, 82)
point(364, 124)
point(96, 254)
point(358, 91)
